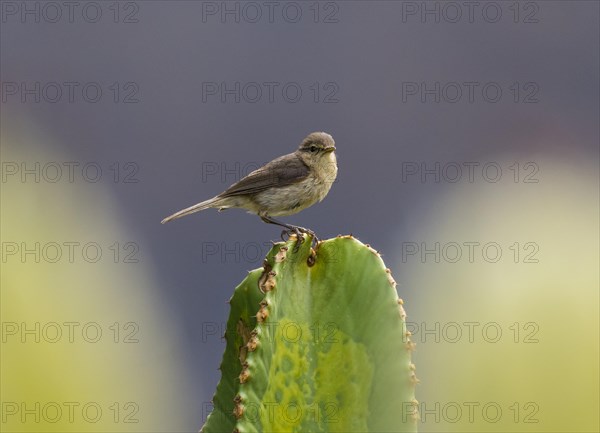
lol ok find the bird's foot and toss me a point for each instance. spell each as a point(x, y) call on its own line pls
point(313, 235)
point(298, 231)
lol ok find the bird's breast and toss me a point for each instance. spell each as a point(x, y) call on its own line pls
point(290, 199)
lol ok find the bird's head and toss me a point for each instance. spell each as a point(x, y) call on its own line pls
point(317, 150)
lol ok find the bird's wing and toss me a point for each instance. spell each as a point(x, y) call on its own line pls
point(282, 171)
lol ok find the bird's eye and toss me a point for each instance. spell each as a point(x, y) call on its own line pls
point(313, 149)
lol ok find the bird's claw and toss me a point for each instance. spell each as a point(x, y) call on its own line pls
point(313, 235)
point(285, 233)
point(289, 233)
point(298, 231)
point(299, 238)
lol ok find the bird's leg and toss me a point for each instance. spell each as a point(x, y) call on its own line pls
point(290, 229)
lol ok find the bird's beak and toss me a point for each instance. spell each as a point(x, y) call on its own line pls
point(330, 149)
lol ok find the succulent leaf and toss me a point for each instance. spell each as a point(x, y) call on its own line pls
point(316, 341)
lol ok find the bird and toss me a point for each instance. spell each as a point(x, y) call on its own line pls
point(282, 187)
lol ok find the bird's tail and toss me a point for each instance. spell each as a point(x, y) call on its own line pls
point(213, 202)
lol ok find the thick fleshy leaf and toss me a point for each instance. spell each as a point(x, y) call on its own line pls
point(323, 349)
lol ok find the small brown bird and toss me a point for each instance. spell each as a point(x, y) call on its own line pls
point(284, 186)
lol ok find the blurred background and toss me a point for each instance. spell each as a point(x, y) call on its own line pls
point(467, 136)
